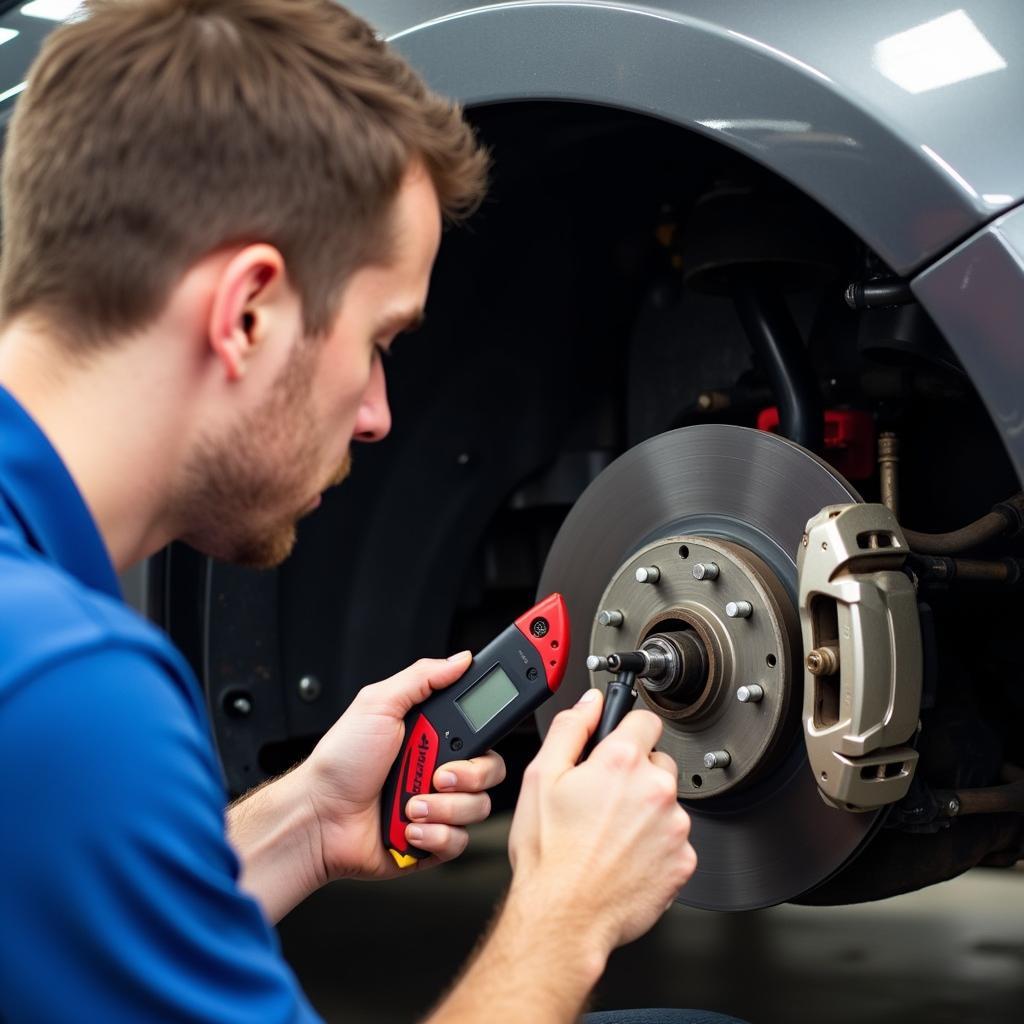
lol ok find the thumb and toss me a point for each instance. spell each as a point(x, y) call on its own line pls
point(569, 732)
point(413, 685)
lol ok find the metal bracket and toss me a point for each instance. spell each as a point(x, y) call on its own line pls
point(863, 668)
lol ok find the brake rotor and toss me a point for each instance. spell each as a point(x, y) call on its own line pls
point(742, 497)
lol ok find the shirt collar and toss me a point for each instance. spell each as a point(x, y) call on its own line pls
point(43, 502)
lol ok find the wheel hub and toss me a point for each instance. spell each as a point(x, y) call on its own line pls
point(684, 613)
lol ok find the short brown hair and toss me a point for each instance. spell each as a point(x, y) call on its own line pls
point(154, 132)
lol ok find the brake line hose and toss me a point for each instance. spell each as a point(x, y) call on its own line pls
point(1005, 519)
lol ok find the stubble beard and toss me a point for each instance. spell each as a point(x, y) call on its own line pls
point(234, 482)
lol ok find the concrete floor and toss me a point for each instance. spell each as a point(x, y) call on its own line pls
point(951, 954)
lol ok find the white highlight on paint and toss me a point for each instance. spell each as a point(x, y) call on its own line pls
point(950, 170)
point(764, 124)
point(938, 53)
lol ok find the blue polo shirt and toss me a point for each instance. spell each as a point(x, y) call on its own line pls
point(119, 896)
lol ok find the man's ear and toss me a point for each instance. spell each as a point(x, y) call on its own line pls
point(240, 314)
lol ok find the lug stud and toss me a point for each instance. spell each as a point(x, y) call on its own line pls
point(595, 663)
point(717, 759)
point(751, 694)
point(610, 617)
point(739, 609)
point(648, 574)
point(705, 571)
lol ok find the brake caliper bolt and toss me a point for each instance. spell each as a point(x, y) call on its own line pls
point(751, 694)
point(610, 617)
point(648, 574)
point(705, 571)
point(953, 807)
point(241, 705)
point(823, 661)
point(739, 609)
point(717, 759)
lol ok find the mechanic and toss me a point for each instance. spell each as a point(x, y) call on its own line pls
point(218, 215)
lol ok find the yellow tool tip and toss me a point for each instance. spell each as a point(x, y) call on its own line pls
point(403, 860)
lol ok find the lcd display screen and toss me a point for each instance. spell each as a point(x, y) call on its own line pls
point(482, 701)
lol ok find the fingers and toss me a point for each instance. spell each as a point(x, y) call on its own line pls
point(472, 776)
point(642, 727)
point(662, 760)
point(444, 841)
point(449, 808)
point(396, 695)
point(568, 735)
point(635, 736)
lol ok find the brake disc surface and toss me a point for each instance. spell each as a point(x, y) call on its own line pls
point(775, 839)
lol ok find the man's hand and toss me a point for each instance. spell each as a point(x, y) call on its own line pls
point(345, 774)
point(321, 821)
point(606, 839)
point(598, 852)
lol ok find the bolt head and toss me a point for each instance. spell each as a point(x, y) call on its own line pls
point(309, 688)
point(709, 761)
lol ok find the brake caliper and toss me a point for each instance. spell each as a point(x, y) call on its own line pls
point(862, 638)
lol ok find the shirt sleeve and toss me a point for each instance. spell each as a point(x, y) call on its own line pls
point(118, 895)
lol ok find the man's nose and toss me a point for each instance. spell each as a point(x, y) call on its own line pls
point(373, 421)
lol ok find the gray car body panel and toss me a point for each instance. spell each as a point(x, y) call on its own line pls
point(820, 93)
point(800, 87)
point(976, 296)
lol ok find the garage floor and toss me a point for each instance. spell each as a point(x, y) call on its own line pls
point(951, 954)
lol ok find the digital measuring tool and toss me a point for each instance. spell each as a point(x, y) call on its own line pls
point(511, 677)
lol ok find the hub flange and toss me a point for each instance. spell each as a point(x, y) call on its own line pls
point(685, 609)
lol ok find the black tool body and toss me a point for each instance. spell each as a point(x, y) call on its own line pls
point(619, 699)
point(506, 681)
